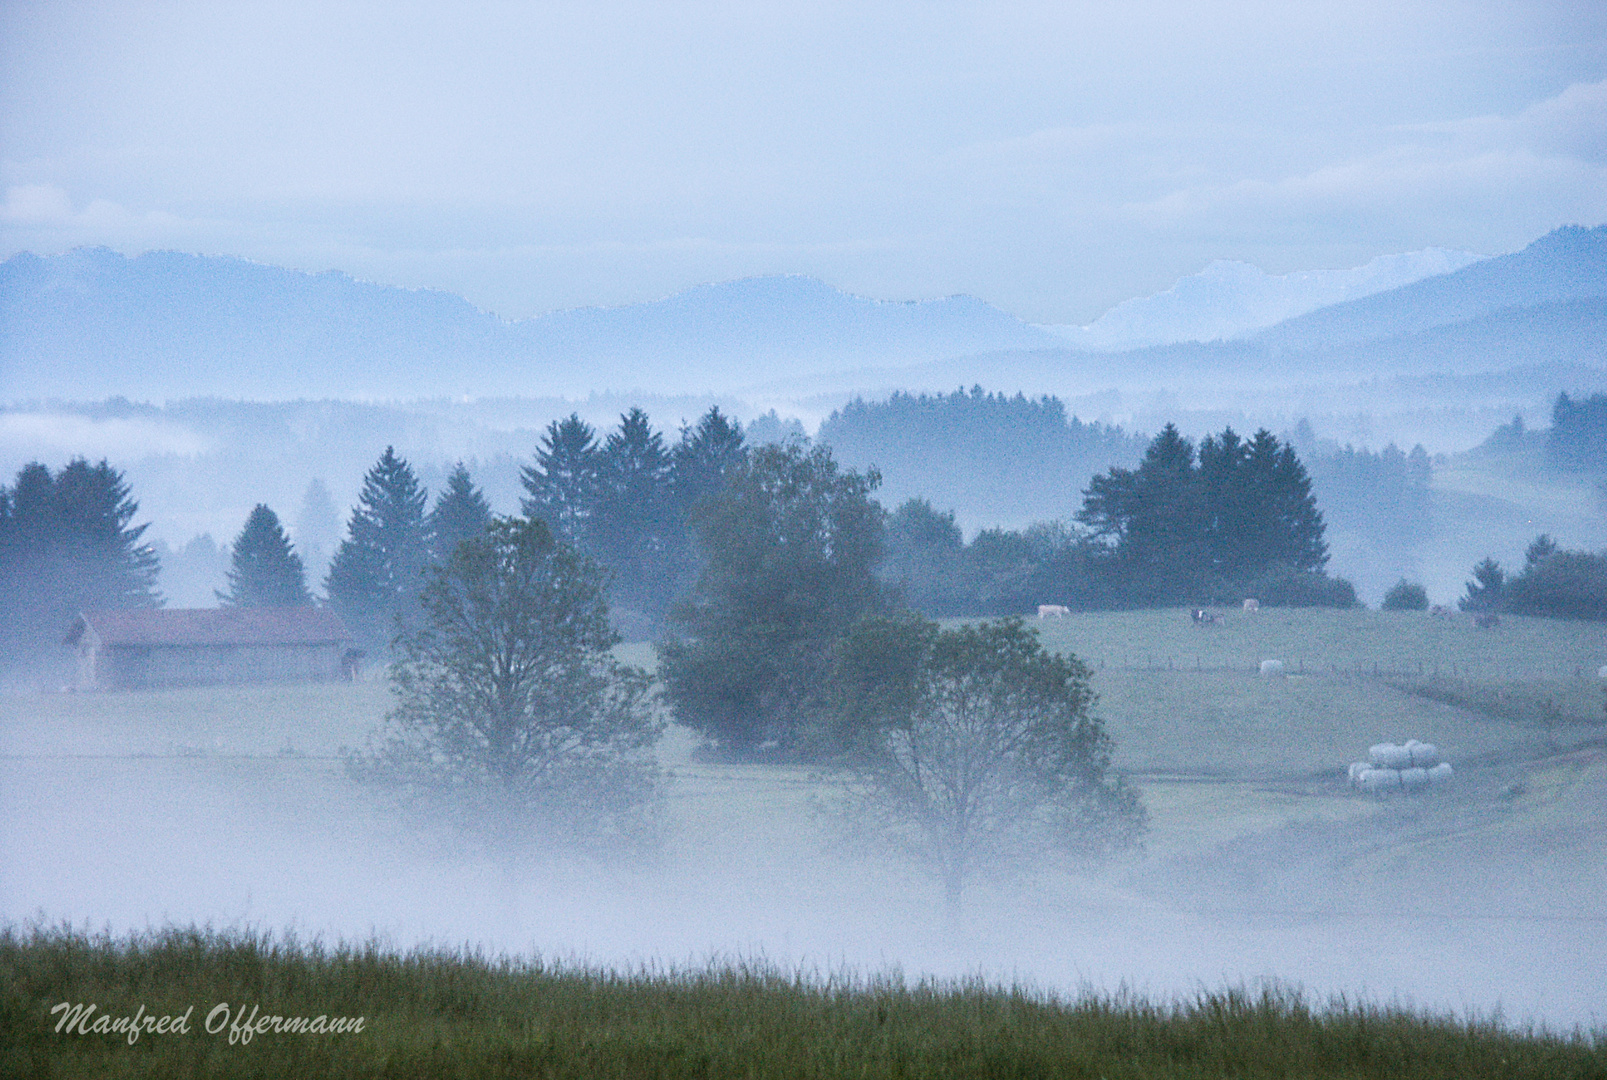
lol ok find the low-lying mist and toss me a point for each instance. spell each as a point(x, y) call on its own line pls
point(214, 816)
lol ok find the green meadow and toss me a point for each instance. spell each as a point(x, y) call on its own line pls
point(435, 1014)
point(1243, 776)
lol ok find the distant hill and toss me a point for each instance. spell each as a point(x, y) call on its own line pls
point(1232, 299)
point(92, 323)
point(1567, 264)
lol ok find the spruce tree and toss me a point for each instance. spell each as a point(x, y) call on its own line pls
point(264, 570)
point(375, 575)
point(66, 546)
point(461, 513)
point(563, 486)
point(634, 517)
point(1484, 591)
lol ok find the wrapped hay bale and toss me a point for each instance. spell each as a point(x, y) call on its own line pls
point(1380, 780)
point(1440, 773)
point(1272, 667)
point(1424, 755)
point(1356, 769)
point(1414, 778)
point(1389, 756)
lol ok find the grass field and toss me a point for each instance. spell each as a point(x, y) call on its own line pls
point(231, 807)
point(441, 1015)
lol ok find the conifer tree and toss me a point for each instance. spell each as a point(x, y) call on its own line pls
point(375, 575)
point(563, 486)
point(264, 570)
point(1484, 591)
point(461, 513)
point(634, 516)
point(66, 546)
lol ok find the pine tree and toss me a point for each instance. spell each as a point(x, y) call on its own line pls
point(634, 517)
point(705, 454)
point(563, 486)
point(375, 575)
point(461, 513)
point(264, 569)
point(66, 546)
point(1152, 521)
point(1484, 592)
point(317, 528)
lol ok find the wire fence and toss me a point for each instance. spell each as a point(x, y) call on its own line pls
point(1390, 669)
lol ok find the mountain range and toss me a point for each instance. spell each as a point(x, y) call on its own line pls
point(92, 323)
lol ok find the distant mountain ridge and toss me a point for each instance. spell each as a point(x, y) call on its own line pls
point(1233, 299)
point(1569, 263)
point(92, 322)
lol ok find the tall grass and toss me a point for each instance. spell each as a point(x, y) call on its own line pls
point(444, 1013)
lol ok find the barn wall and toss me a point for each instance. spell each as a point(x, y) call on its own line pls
point(132, 668)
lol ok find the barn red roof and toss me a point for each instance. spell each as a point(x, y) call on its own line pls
point(213, 626)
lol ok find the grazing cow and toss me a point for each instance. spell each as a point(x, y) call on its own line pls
point(1252, 604)
point(1059, 611)
point(1440, 611)
point(1202, 617)
point(1486, 620)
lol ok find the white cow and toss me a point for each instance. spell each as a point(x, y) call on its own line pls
point(1252, 604)
point(1059, 611)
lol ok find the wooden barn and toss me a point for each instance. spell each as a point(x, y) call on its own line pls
point(151, 648)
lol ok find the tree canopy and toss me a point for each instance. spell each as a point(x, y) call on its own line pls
point(974, 746)
point(264, 570)
point(511, 709)
point(1180, 529)
point(375, 575)
point(791, 543)
point(67, 545)
point(461, 513)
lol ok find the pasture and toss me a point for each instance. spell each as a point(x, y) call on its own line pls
point(231, 807)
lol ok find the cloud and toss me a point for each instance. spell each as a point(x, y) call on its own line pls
point(48, 206)
point(55, 437)
point(1543, 166)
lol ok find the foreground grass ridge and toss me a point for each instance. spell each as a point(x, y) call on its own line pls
point(446, 1013)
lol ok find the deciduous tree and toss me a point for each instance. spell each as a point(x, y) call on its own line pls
point(975, 747)
point(792, 544)
point(511, 709)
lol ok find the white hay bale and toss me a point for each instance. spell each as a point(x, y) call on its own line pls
point(1389, 756)
point(1601, 673)
point(1379, 780)
point(1440, 773)
point(1356, 769)
point(1424, 755)
point(1414, 778)
point(1271, 667)
point(1255, 605)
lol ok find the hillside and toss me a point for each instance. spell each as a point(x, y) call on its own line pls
point(91, 323)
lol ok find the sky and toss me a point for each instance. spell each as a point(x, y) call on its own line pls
point(1053, 159)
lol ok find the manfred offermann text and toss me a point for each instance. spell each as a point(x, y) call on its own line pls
point(241, 1027)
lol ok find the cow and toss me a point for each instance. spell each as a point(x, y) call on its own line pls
point(1202, 617)
point(1252, 604)
point(1059, 611)
point(1272, 668)
point(1486, 620)
point(1440, 611)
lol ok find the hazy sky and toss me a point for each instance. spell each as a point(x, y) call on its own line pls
point(1051, 158)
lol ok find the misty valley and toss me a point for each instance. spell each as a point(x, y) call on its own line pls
point(767, 648)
